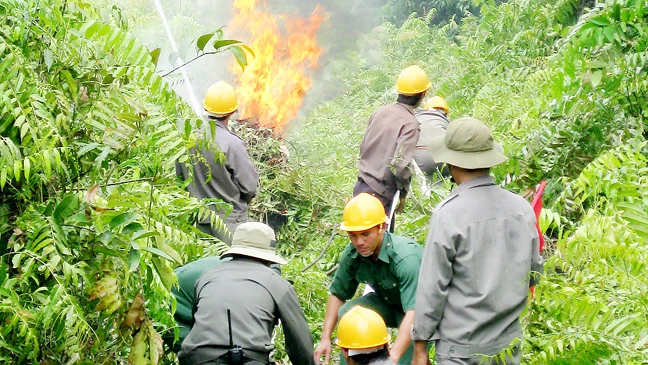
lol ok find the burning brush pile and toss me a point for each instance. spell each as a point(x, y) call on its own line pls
point(272, 86)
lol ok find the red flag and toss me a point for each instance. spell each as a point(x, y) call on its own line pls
point(536, 204)
point(537, 209)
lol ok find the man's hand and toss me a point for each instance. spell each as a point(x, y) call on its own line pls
point(401, 206)
point(420, 354)
point(324, 348)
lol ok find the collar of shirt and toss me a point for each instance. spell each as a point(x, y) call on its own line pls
point(220, 123)
point(482, 180)
point(383, 255)
point(406, 107)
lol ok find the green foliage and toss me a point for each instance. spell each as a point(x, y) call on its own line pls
point(92, 220)
point(561, 84)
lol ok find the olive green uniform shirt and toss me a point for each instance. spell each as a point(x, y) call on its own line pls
point(184, 293)
point(393, 276)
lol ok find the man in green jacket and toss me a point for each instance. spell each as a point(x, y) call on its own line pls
point(388, 263)
point(187, 275)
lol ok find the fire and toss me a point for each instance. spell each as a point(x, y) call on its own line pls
point(272, 87)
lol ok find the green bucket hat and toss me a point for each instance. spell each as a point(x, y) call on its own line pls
point(468, 143)
point(255, 239)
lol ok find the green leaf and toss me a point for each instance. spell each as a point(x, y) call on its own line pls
point(132, 227)
point(240, 56)
point(165, 273)
point(609, 33)
point(48, 163)
point(49, 58)
point(158, 252)
point(596, 78)
point(17, 169)
point(3, 177)
point(247, 48)
point(155, 55)
point(27, 166)
point(144, 234)
point(202, 40)
point(133, 259)
point(123, 219)
point(66, 207)
point(224, 43)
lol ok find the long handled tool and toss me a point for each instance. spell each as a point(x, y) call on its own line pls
point(368, 289)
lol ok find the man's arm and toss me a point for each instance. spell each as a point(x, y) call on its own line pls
point(299, 341)
point(330, 320)
point(403, 338)
point(405, 149)
point(420, 353)
point(436, 273)
point(244, 175)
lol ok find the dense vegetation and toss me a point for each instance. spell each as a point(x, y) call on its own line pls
point(92, 219)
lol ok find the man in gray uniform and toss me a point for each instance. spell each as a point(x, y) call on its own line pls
point(433, 121)
point(248, 294)
point(480, 258)
point(233, 180)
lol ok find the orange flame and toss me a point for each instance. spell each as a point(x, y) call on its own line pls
point(273, 85)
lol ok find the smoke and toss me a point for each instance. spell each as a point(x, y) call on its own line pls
point(348, 22)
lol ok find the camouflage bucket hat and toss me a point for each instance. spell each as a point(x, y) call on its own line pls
point(468, 143)
point(255, 239)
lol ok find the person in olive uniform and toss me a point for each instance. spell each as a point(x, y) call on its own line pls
point(233, 180)
point(480, 259)
point(187, 275)
point(388, 263)
point(256, 298)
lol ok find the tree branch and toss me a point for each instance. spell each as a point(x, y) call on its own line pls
point(117, 183)
point(321, 254)
point(186, 63)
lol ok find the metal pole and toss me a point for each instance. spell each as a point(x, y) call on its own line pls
point(179, 61)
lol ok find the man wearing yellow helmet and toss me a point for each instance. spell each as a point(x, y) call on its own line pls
point(389, 143)
point(363, 338)
point(233, 180)
point(433, 121)
point(388, 263)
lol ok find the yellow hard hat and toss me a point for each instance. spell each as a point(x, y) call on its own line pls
point(412, 80)
point(362, 212)
point(220, 99)
point(438, 103)
point(361, 328)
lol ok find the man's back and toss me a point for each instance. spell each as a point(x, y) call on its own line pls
point(388, 148)
point(487, 235)
point(432, 123)
point(233, 180)
point(256, 297)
